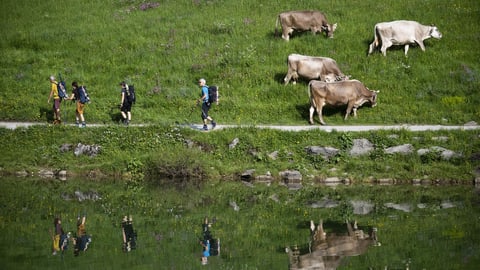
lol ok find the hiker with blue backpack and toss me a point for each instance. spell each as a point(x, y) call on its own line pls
point(79, 94)
point(207, 99)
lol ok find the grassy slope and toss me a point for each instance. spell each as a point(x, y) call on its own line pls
point(232, 44)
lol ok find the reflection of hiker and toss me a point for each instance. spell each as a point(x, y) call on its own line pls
point(206, 251)
point(58, 232)
point(82, 240)
point(129, 235)
point(206, 230)
point(56, 100)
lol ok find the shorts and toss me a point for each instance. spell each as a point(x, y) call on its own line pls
point(205, 108)
point(80, 107)
point(56, 104)
point(126, 106)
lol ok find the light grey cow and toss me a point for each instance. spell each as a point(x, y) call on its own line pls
point(402, 33)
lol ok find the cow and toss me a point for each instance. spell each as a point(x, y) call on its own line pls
point(314, 21)
point(351, 93)
point(402, 33)
point(312, 67)
point(327, 250)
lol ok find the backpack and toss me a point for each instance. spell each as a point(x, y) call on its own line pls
point(212, 93)
point(83, 94)
point(62, 88)
point(131, 97)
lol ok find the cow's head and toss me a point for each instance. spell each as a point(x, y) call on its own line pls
point(435, 33)
point(329, 29)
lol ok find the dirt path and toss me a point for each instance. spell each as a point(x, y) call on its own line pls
point(469, 126)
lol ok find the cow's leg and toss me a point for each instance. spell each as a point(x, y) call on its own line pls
point(385, 45)
point(420, 43)
point(406, 49)
point(312, 110)
point(354, 112)
point(320, 231)
point(350, 229)
point(287, 77)
point(350, 107)
point(285, 33)
point(320, 116)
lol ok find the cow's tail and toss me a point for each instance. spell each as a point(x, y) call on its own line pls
point(374, 44)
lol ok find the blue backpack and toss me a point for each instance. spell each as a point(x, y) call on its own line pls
point(62, 88)
point(83, 94)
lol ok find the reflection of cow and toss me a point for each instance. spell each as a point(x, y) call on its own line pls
point(314, 21)
point(311, 68)
point(326, 251)
point(351, 93)
point(402, 33)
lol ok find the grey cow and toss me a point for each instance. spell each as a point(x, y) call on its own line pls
point(402, 33)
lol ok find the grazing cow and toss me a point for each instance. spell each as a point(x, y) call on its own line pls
point(314, 21)
point(351, 93)
point(311, 67)
point(402, 33)
point(327, 251)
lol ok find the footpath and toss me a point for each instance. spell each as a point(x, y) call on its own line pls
point(342, 128)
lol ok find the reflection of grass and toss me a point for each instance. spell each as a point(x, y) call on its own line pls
point(169, 223)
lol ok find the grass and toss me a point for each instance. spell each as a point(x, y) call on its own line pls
point(164, 49)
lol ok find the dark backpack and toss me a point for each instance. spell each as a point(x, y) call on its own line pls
point(62, 88)
point(212, 93)
point(131, 97)
point(83, 94)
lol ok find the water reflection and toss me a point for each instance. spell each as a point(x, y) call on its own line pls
point(326, 251)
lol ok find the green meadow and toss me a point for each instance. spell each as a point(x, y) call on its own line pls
point(164, 47)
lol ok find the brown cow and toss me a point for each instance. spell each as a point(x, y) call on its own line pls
point(351, 93)
point(402, 33)
point(312, 67)
point(314, 21)
point(327, 251)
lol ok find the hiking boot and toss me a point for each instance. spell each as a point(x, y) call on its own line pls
point(205, 127)
point(214, 124)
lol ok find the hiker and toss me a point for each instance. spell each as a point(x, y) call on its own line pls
point(58, 231)
point(206, 251)
point(56, 100)
point(82, 240)
point(125, 104)
point(129, 235)
point(76, 94)
point(205, 104)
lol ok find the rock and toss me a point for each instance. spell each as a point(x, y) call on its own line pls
point(404, 149)
point(362, 207)
point(405, 207)
point(291, 176)
point(361, 147)
point(89, 150)
point(447, 204)
point(66, 147)
point(332, 180)
point(325, 152)
point(46, 173)
point(443, 153)
point(234, 206)
point(247, 175)
point(324, 203)
point(233, 143)
point(273, 155)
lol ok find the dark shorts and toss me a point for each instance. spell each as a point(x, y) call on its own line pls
point(205, 108)
point(126, 106)
point(56, 104)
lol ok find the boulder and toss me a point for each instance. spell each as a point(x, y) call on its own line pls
point(361, 147)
